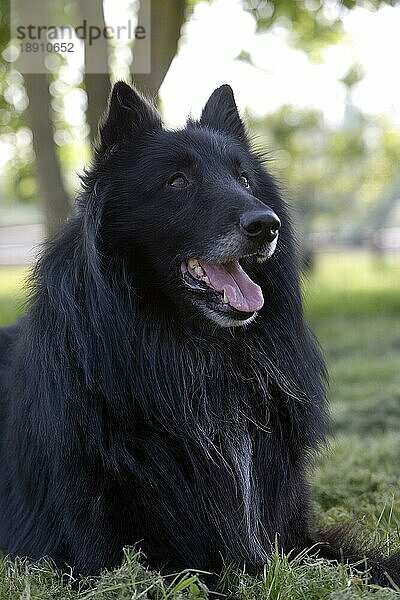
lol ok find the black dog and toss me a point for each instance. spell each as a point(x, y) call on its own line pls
point(163, 387)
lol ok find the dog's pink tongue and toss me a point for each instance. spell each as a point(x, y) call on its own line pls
point(242, 293)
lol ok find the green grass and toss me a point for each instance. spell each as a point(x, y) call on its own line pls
point(353, 305)
point(352, 285)
point(11, 293)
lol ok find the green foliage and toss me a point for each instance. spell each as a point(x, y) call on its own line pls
point(308, 24)
point(20, 182)
point(337, 175)
point(311, 24)
point(353, 76)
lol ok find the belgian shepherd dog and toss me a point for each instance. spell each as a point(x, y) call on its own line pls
point(163, 387)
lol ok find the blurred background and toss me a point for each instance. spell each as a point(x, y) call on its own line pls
point(319, 87)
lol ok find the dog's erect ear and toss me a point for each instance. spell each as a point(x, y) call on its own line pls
point(128, 114)
point(221, 113)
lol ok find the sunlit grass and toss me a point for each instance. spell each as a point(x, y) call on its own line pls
point(11, 281)
point(354, 283)
point(12, 293)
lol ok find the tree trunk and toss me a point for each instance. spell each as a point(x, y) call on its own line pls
point(55, 201)
point(97, 83)
point(167, 18)
point(166, 22)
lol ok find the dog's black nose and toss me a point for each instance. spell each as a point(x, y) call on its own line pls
point(260, 226)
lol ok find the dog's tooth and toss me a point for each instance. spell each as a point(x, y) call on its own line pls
point(199, 271)
point(206, 280)
point(225, 298)
point(193, 263)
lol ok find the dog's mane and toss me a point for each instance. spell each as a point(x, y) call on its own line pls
point(92, 322)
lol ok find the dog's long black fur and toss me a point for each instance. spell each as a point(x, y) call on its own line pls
point(130, 415)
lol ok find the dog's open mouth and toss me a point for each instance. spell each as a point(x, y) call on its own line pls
point(232, 287)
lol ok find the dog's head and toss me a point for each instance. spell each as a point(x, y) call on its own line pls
point(194, 207)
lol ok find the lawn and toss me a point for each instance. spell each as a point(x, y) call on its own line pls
point(353, 304)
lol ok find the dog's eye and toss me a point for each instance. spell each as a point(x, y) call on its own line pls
point(244, 180)
point(178, 180)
